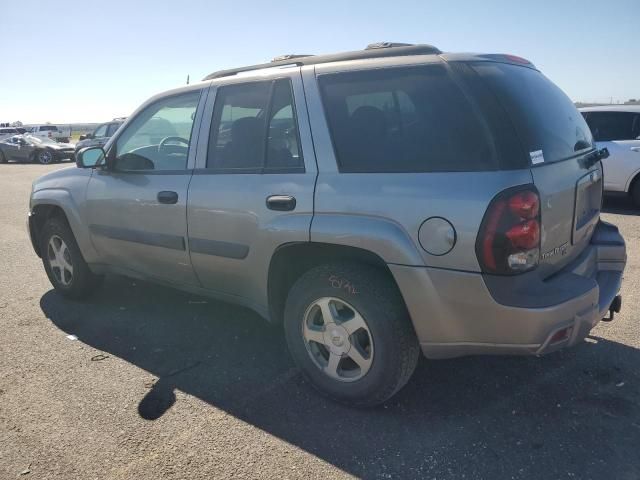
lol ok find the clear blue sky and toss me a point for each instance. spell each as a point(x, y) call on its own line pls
point(88, 61)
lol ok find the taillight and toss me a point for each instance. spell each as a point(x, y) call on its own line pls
point(509, 237)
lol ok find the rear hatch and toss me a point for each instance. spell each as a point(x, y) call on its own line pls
point(558, 146)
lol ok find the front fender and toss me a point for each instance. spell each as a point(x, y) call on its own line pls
point(64, 200)
point(383, 237)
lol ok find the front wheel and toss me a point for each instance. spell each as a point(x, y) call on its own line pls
point(44, 157)
point(63, 262)
point(348, 330)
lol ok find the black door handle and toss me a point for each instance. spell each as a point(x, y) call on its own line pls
point(281, 203)
point(168, 197)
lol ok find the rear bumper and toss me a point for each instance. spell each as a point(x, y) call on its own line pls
point(454, 313)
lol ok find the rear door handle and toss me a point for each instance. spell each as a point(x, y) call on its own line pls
point(168, 197)
point(281, 203)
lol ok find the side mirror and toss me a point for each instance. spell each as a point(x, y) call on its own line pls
point(82, 137)
point(88, 136)
point(90, 157)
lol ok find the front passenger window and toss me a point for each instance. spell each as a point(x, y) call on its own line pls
point(160, 136)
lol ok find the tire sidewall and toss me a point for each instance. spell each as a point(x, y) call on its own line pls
point(635, 193)
point(379, 303)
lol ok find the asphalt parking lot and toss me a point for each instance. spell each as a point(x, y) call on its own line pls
point(161, 384)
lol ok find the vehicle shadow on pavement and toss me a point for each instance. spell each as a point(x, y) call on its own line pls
point(620, 205)
point(573, 413)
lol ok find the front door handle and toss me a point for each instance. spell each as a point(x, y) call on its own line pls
point(168, 197)
point(281, 203)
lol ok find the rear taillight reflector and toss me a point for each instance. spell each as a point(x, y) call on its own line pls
point(509, 237)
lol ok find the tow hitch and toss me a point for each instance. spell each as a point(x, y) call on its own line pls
point(614, 308)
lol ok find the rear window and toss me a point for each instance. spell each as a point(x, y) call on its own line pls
point(48, 128)
point(547, 123)
point(406, 119)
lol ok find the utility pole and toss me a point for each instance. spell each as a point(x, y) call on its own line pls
point(187, 79)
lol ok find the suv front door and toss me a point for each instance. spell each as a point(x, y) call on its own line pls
point(252, 190)
point(137, 202)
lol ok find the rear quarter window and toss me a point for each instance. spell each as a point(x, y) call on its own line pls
point(544, 118)
point(404, 119)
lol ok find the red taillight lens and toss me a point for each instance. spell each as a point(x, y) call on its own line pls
point(525, 235)
point(525, 205)
point(509, 237)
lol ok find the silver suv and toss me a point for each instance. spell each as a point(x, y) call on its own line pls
point(379, 203)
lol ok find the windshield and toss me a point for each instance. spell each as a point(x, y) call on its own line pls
point(546, 121)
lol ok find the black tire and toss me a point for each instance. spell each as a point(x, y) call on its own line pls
point(3, 159)
point(635, 192)
point(83, 282)
point(376, 298)
point(44, 157)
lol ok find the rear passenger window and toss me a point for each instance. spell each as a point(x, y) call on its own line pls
point(608, 126)
point(411, 119)
point(254, 129)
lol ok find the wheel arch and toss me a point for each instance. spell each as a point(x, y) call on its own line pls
point(58, 202)
point(292, 260)
point(634, 178)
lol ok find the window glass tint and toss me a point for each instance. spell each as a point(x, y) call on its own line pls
point(608, 126)
point(112, 128)
point(411, 119)
point(544, 117)
point(250, 122)
point(282, 143)
point(101, 131)
point(159, 137)
point(48, 128)
point(237, 135)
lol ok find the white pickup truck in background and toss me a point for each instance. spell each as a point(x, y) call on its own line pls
point(59, 133)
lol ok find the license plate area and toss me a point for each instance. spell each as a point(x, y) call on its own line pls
point(587, 205)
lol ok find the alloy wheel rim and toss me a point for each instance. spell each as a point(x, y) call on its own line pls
point(338, 339)
point(60, 260)
point(45, 157)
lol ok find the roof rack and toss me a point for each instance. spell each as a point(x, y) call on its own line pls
point(373, 50)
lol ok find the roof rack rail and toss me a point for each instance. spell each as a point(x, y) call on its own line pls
point(373, 50)
point(373, 46)
point(288, 56)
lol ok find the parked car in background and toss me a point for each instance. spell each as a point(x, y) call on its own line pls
point(59, 133)
point(100, 135)
point(28, 148)
point(617, 127)
point(379, 203)
point(10, 131)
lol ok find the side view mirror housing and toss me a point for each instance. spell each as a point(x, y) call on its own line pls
point(90, 157)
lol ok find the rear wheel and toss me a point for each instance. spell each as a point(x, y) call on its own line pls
point(635, 192)
point(347, 328)
point(44, 157)
point(67, 271)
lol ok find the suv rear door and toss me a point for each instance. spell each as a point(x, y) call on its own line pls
point(252, 190)
point(557, 142)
